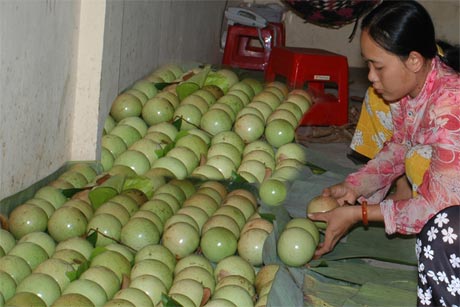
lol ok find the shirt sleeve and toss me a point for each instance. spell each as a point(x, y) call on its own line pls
point(379, 173)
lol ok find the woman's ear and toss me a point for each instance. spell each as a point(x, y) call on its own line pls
point(415, 61)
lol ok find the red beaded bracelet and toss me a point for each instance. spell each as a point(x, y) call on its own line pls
point(364, 212)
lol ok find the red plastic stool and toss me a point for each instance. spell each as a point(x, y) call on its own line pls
point(315, 67)
point(238, 51)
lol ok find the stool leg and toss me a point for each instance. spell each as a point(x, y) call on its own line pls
point(343, 94)
point(229, 47)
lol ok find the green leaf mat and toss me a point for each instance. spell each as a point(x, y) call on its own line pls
point(377, 295)
point(285, 291)
point(374, 243)
point(320, 291)
point(365, 272)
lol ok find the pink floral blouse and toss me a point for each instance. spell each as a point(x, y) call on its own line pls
point(431, 121)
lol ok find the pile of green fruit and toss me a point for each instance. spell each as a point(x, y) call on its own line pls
point(159, 222)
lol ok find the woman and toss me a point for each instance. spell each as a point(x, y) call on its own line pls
point(398, 43)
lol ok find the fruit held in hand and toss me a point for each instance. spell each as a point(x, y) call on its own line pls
point(321, 204)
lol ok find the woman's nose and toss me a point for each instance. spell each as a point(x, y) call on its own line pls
point(372, 76)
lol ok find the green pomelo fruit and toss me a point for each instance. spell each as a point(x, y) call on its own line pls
point(254, 83)
point(88, 288)
point(197, 101)
point(157, 110)
point(67, 222)
point(306, 224)
point(135, 122)
point(165, 127)
point(244, 87)
point(218, 243)
point(128, 134)
point(296, 247)
point(146, 87)
point(190, 116)
point(249, 127)
point(181, 239)
point(42, 285)
point(279, 132)
point(26, 219)
point(32, 253)
point(216, 121)
point(107, 227)
point(135, 160)
point(125, 105)
point(224, 107)
point(138, 94)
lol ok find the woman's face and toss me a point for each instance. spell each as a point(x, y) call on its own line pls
point(388, 74)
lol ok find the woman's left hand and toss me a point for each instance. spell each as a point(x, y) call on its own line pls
point(339, 221)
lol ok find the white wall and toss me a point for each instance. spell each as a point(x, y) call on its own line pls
point(38, 43)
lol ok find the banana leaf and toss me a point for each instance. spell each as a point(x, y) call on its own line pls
point(361, 272)
point(219, 80)
point(110, 188)
point(238, 182)
point(321, 291)
point(140, 183)
point(192, 84)
point(319, 160)
point(376, 295)
point(374, 243)
point(168, 301)
point(269, 254)
point(281, 217)
point(285, 291)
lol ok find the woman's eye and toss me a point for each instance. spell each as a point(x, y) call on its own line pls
point(372, 65)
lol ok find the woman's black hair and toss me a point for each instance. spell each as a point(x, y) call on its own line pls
point(404, 26)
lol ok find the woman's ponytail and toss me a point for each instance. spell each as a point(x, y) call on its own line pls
point(449, 54)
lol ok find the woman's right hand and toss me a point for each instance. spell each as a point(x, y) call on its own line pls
point(342, 192)
point(339, 221)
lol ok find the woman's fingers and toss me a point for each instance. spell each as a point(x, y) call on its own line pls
point(338, 221)
point(326, 192)
point(328, 245)
point(318, 216)
point(342, 192)
point(336, 191)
